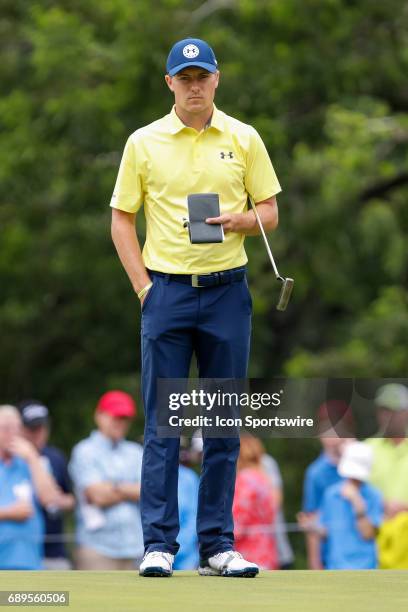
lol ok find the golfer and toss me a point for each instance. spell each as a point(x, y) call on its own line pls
point(194, 297)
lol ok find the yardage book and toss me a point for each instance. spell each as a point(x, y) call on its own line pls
point(200, 207)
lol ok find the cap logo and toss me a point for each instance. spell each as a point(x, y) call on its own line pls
point(35, 411)
point(191, 51)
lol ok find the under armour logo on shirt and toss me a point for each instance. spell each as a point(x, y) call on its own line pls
point(224, 155)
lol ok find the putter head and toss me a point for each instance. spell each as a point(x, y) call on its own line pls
point(286, 291)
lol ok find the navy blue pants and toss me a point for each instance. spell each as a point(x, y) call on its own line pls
point(215, 324)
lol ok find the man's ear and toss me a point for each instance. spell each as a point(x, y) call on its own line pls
point(169, 81)
point(218, 78)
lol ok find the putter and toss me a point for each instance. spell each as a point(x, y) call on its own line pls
point(287, 283)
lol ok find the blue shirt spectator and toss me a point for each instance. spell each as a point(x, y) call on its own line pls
point(21, 542)
point(346, 548)
point(114, 531)
point(23, 481)
point(320, 474)
point(187, 556)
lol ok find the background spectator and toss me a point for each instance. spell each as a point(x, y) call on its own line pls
point(105, 469)
point(390, 468)
point(36, 429)
point(393, 542)
point(255, 506)
point(390, 472)
point(319, 476)
point(23, 483)
point(336, 425)
point(350, 514)
point(187, 556)
point(284, 549)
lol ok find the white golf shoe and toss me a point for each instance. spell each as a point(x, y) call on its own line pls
point(157, 563)
point(229, 564)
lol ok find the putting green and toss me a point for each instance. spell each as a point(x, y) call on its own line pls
point(303, 591)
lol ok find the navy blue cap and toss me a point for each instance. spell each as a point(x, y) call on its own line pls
point(191, 52)
point(33, 413)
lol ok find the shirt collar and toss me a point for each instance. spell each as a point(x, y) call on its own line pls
point(217, 120)
point(176, 125)
point(104, 441)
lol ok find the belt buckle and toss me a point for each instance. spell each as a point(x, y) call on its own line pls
point(194, 279)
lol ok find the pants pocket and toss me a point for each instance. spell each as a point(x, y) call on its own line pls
point(149, 293)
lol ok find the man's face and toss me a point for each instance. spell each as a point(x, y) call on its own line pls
point(194, 89)
point(393, 423)
point(333, 445)
point(115, 428)
point(37, 436)
point(10, 427)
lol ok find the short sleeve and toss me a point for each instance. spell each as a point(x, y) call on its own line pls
point(128, 192)
point(83, 468)
point(261, 181)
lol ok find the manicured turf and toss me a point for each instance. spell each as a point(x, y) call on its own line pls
point(297, 591)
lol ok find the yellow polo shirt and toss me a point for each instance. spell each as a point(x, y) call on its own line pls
point(390, 468)
point(166, 161)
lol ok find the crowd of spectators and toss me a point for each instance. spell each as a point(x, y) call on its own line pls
point(355, 494)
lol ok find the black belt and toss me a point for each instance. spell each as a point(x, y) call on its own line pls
point(209, 279)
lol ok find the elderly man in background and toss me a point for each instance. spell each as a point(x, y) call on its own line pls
point(36, 429)
point(24, 485)
point(390, 469)
point(390, 473)
point(105, 469)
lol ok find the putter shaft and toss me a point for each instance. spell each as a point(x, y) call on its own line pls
point(287, 283)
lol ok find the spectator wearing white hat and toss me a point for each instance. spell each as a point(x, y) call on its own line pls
point(351, 513)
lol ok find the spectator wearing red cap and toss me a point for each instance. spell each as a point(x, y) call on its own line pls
point(105, 470)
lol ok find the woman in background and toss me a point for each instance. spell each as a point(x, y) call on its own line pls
point(255, 506)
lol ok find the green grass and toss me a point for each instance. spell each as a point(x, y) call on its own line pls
point(297, 591)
